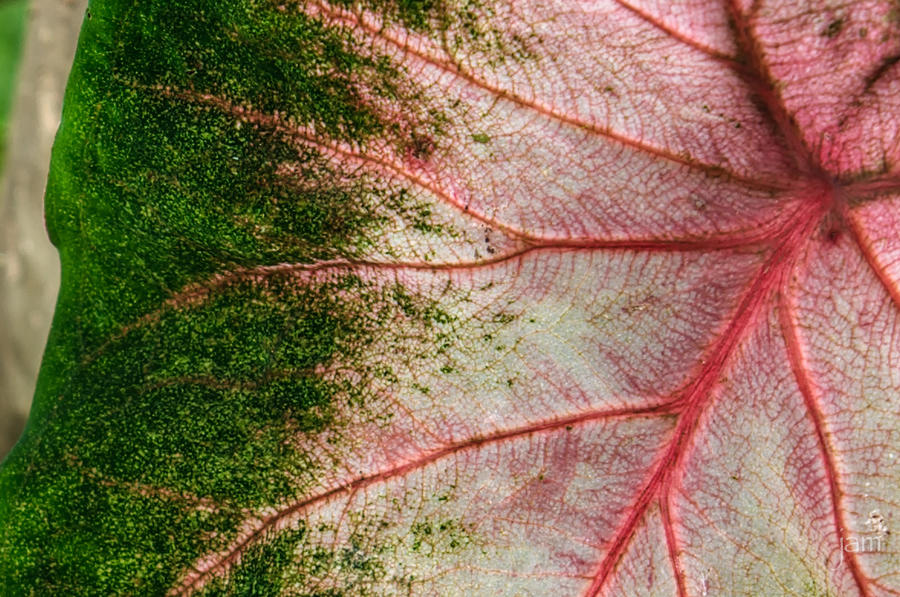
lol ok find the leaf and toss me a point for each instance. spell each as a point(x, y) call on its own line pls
point(12, 21)
point(470, 298)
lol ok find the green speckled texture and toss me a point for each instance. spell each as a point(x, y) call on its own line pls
point(160, 420)
point(12, 28)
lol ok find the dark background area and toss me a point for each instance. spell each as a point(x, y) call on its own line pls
point(37, 43)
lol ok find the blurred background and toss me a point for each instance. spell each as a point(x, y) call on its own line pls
point(37, 43)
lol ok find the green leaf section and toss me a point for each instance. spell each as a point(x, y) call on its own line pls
point(171, 433)
point(12, 29)
point(174, 186)
point(311, 558)
point(182, 385)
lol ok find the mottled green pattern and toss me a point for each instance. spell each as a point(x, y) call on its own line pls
point(160, 422)
point(12, 28)
point(192, 186)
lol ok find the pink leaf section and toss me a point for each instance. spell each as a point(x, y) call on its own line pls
point(679, 371)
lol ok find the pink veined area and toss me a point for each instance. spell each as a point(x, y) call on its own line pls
point(691, 212)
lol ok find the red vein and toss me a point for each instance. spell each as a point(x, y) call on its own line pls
point(292, 131)
point(730, 60)
point(538, 107)
point(295, 132)
point(858, 235)
point(697, 397)
point(147, 490)
point(798, 367)
point(199, 291)
point(757, 76)
point(874, 186)
point(672, 545)
point(196, 579)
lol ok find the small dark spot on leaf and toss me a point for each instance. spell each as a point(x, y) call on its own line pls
point(833, 28)
point(481, 138)
point(715, 172)
point(699, 203)
point(893, 15)
point(886, 65)
point(421, 147)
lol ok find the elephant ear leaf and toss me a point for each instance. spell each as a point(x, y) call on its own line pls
point(470, 297)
